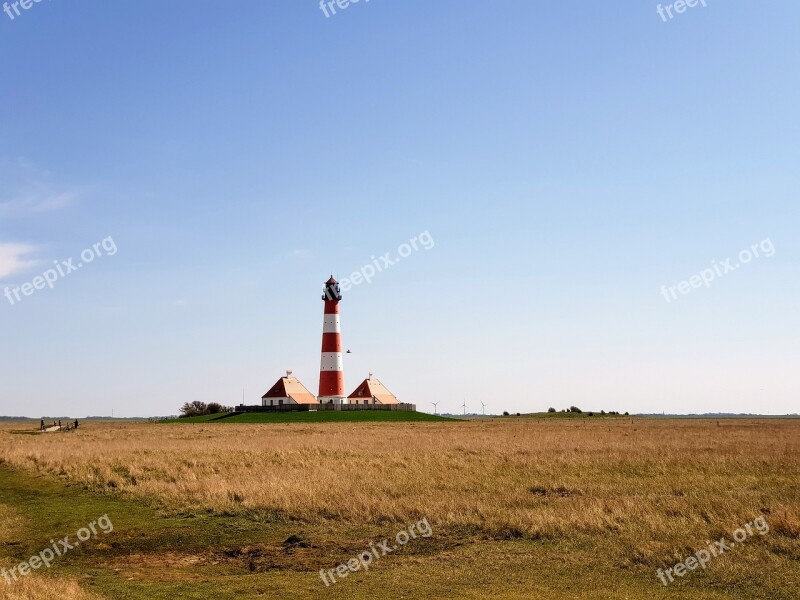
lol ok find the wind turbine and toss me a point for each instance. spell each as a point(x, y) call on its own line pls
point(435, 404)
point(483, 406)
point(464, 406)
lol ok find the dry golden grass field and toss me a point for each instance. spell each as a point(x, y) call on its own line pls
point(519, 508)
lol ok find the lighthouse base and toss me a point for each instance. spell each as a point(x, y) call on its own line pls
point(335, 400)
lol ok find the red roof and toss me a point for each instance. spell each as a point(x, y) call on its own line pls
point(372, 388)
point(290, 387)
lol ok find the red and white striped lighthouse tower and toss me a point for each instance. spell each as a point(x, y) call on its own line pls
point(331, 371)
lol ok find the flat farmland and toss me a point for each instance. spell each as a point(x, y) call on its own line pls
point(517, 507)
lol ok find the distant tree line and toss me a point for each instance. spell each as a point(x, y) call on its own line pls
point(575, 409)
point(571, 409)
point(198, 409)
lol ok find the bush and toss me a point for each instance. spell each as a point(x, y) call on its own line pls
point(214, 408)
point(551, 410)
point(198, 409)
point(194, 409)
point(505, 413)
point(591, 414)
point(575, 409)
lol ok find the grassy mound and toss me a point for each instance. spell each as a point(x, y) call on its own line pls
point(327, 416)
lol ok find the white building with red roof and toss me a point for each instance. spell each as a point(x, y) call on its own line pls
point(372, 391)
point(288, 390)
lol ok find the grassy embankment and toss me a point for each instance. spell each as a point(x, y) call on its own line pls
point(322, 416)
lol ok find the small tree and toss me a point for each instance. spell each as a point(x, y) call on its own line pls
point(214, 408)
point(575, 409)
point(551, 410)
point(194, 409)
point(505, 413)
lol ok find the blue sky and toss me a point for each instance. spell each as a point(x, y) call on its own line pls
point(568, 159)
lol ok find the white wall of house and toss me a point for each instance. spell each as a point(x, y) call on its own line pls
point(277, 401)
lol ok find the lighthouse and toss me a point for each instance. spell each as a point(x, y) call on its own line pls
point(331, 371)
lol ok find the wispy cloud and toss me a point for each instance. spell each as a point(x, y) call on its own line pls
point(34, 203)
point(13, 258)
point(31, 191)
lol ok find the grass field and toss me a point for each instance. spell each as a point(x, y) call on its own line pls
point(519, 508)
point(323, 416)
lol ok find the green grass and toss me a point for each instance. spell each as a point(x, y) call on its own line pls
point(152, 556)
point(327, 416)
